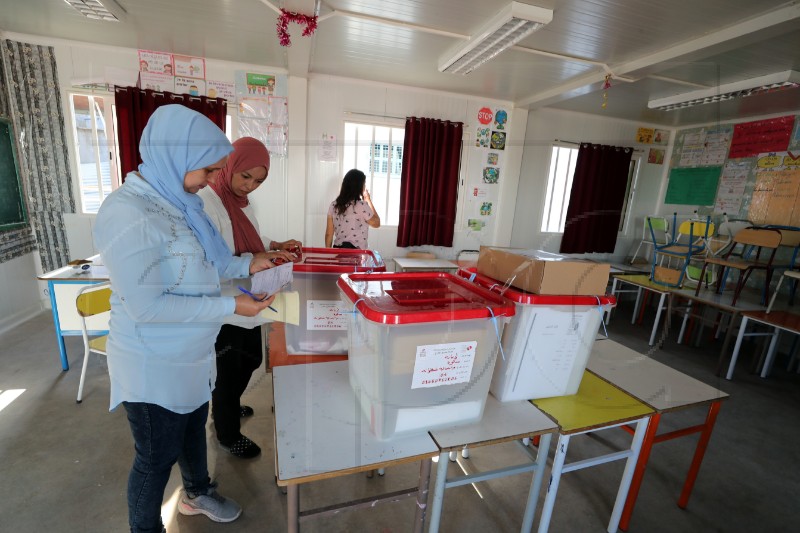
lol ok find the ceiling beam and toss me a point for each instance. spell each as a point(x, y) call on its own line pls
point(584, 84)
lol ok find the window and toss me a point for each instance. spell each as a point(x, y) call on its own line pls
point(378, 152)
point(95, 148)
point(559, 187)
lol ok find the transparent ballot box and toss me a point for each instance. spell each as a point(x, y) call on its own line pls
point(422, 348)
point(546, 344)
point(323, 328)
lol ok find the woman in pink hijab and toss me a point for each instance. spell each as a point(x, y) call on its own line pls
point(238, 345)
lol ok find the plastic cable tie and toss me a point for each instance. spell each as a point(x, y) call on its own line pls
point(497, 333)
point(472, 277)
point(355, 311)
point(602, 321)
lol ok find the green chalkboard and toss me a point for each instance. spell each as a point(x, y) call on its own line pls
point(12, 205)
point(693, 186)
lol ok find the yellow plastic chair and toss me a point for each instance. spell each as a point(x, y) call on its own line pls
point(91, 301)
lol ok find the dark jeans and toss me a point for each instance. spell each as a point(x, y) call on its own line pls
point(162, 438)
point(238, 355)
point(345, 244)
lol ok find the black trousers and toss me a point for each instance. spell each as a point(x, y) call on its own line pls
point(238, 355)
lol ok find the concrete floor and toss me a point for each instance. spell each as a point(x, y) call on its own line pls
point(64, 466)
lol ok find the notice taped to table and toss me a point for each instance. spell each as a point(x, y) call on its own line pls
point(325, 314)
point(443, 364)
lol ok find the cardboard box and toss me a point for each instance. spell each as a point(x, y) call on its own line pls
point(542, 272)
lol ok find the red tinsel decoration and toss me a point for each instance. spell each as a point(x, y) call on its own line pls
point(310, 22)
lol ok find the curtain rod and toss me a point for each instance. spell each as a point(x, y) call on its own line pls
point(373, 115)
point(174, 96)
point(577, 143)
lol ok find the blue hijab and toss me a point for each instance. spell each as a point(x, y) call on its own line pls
point(175, 141)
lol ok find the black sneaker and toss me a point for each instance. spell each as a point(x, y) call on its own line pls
point(245, 410)
point(243, 448)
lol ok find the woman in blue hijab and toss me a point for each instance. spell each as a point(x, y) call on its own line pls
point(165, 259)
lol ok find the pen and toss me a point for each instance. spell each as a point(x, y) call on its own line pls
point(253, 296)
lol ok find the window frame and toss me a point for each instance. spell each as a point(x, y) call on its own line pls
point(567, 190)
point(110, 118)
point(392, 151)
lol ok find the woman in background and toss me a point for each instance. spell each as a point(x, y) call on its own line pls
point(239, 346)
point(352, 214)
point(165, 259)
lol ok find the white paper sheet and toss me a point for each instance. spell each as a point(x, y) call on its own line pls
point(271, 280)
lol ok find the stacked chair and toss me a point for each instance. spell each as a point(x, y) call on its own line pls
point(689, 241)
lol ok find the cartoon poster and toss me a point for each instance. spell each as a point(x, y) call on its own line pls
point(156, 62)
point(661, 137)
point(498, 140)
point(220, 89)
point(491, 159)
point(486, 209)
point(190, 67)
point(475, 224)
point(260, 84)
point(156, 82)
point(656, 156)
point(479, 192)
point(191, 86)
point(491, 175)
point(500, 119)
point(645, 135)
point(482, 137)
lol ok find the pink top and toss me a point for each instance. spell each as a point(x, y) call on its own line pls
point(352, 226)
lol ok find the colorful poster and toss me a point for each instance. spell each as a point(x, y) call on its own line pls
point(500, 119)
point(485, 115)
point(498, 141)
point(443, 364)
point(486, 209)
point(491, 175)
point(220, 89)
point(661, 137)
point(482, 137)
point(491, 158)
point(260, 84)
point(715, 148)
point(190, 67)
point(644, 135)
point(761, 136)
point(475, 224)
point(479, 192)
point(157, 62)
point(156, 82)
point(692, 151)
point(191, 86)
point(655, 156)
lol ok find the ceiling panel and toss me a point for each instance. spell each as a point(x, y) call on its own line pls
point(401, 42)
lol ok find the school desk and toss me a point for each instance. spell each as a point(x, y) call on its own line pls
point(415, 264)
point(748, 301)
point(63, 285)
point(501, 422)
point(664, 390)
point(597, 406)
point(642, 284)
point(778, 321)
point(320, 433)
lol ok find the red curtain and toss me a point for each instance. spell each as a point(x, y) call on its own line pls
point(596, 200)
point(134, 107)
point(429, 182)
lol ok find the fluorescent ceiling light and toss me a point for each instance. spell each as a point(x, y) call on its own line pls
point(107, 10)
point(513, 23)
point(763, 84)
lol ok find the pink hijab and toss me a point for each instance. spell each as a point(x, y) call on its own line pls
point(247, 153)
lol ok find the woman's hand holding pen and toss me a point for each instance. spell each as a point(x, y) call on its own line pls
point(247, 306)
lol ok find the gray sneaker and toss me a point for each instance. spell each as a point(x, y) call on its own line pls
point(216, 507)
